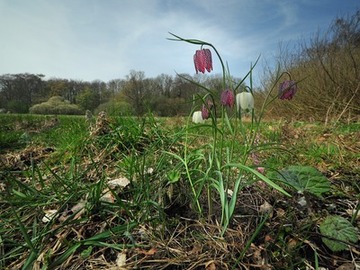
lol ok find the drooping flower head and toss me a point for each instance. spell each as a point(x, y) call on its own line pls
point(205, 112)
point(244, 101)
point(287, 89)
point(203, 60)
point(197, 117)
point(206, 108)
point(227, 98)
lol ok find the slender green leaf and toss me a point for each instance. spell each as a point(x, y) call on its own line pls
point(261, 176)
point(63, 257)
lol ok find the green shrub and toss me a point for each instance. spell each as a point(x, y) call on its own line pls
point(56, 105)
point(115, 108)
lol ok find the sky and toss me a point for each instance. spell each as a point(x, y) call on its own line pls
point(106, 39)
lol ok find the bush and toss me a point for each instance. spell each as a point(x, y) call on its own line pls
point(115, 108)
point(56, 105)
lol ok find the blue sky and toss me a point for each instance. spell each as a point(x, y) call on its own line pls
point(106, 39)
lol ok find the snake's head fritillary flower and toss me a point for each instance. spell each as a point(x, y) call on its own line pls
point(245, 101)
point(287, 89)
point(197, 117)
point(206, 108)
point(203, 60)
point(227, 98)
point(205, 112)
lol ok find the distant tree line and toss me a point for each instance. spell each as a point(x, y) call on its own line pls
point(327, 70)
point(163, 95)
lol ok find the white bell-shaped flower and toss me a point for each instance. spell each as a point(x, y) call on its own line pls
point(245, 101)
point(197, 117)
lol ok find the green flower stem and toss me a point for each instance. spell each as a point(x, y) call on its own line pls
point(221, 156)
point(184, 161)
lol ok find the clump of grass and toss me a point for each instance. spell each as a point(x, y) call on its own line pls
point(152, 221)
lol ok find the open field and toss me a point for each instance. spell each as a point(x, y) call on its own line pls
point(161, 193)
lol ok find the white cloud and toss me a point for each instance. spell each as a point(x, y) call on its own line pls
point(106, 39)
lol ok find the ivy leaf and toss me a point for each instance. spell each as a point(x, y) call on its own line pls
point(303, 178)
point(338, 228)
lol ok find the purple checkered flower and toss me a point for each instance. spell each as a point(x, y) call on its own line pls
point(287, 89)
point(203, 61)
point(227, 98)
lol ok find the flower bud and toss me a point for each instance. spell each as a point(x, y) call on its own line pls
point(197, 117)
point(244, 101)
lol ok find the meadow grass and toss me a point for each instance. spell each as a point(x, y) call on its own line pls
point(66, 165)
